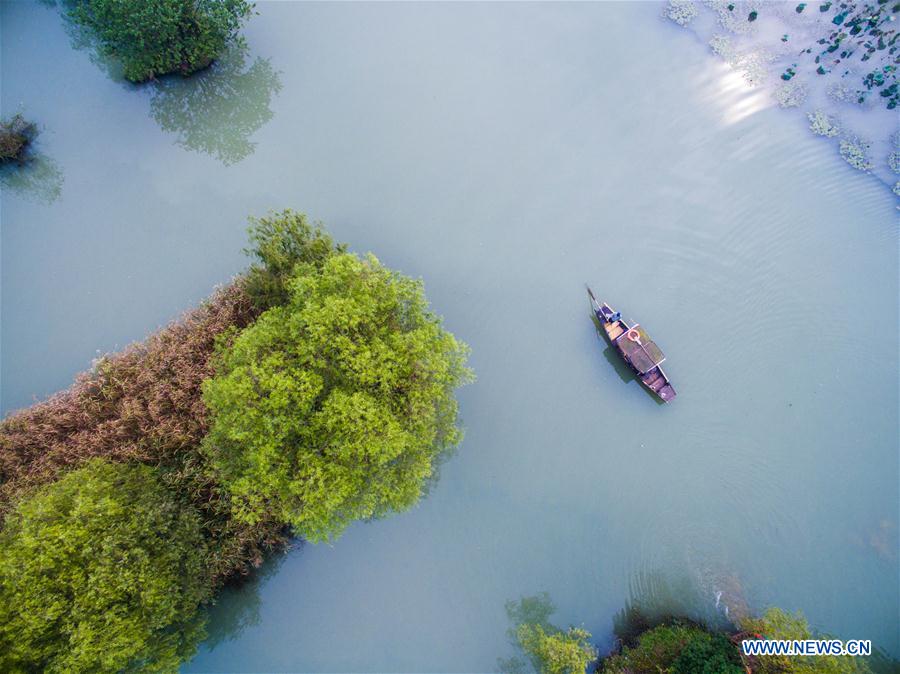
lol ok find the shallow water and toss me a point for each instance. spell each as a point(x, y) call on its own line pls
point(507, 153)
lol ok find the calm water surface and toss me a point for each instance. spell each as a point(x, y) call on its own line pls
point(507, 153)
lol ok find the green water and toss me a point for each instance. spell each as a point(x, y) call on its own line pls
point(506, 153)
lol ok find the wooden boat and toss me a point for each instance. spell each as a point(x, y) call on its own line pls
point(636, 348)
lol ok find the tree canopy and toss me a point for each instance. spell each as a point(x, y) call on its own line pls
point(776, 623)
point(549, 649)
point(155, 37)
point(101, 571)
point(677, 648)
point(336, 405)
point(555, 651)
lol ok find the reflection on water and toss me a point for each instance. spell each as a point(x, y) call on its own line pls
point(217, 110)
point(534, 610)
point(83, 39)
point(37, 177)
point(237, 606)
point(654, 598)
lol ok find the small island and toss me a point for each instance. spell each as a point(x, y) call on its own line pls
point(315, 390)
point(152, 38)
point(16, 135)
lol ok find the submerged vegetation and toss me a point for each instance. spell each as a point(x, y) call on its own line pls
point(330, 385)
point(548, 649)
point(158, 37)
point(15, 135)
point(836, 61)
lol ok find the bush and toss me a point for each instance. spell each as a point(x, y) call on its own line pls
point(679, 649)
point(555, 651)
point(779, 624)
point(99, 572)
point(143, 404)
point(156, 37)
point(279, 242)
point(708, 653)
point(15, 135)
point(336, 406)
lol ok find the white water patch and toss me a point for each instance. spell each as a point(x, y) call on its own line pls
point(781, 57)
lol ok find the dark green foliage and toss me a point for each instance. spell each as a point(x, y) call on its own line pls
point(778, 624)
point(338, 405)
point(156, 37)
point(279, 242)
point(677, 648)
point(15, 135)
point(101, 571)
point(708, 654)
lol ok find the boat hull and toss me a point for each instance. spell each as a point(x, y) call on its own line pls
point(654, 379)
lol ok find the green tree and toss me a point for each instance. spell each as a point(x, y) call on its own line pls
point(708, 653)
point(337, 405)
point(156, 37)
point(676, 648)
point(549, 649)
point(779, 624)
point(279, 242)
point(557, 652)
point(101, 571)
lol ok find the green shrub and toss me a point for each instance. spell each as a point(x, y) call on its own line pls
point(678, 649)
point(557, 652)
point(15, 135)
point(156, 37)
point(779, 624)
point(278, 243)
point(336, 406)
point(101, 571)
point(708, 653)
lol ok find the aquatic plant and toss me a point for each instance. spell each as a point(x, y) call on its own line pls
point(856, 153)
point(894, 157)
point(678, 647)
point(336, 406)
point(681, 12)
point(822, 125)
point(844, 52)
point(722, 47)
point(894, 161)
point(557, 652)
point(144, 404)
point(34, 176)
point(791, 94)
point(549, 649)
point(15, 135)
point(101, 571)
point(156, 37)
point(776, 623)
point(369, 436)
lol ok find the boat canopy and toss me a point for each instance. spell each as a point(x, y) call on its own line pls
point(643, 353)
